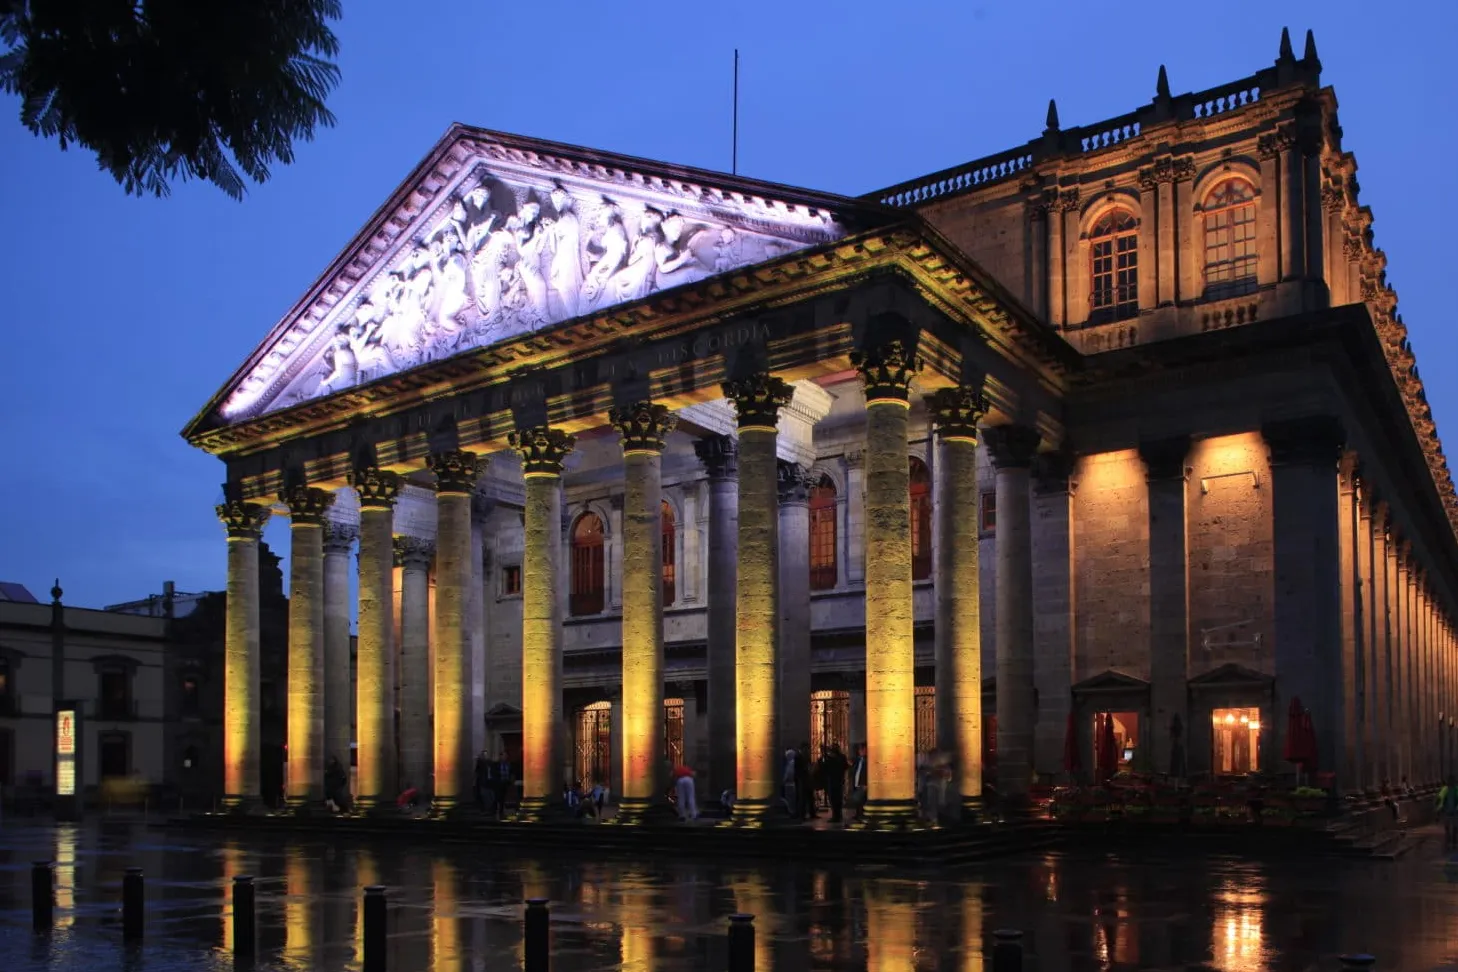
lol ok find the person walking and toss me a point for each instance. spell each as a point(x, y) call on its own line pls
point(833, 768)
point(503, 778)
point(860, 772)
point(684, 793)
point(1448, 810)
point(336, 786)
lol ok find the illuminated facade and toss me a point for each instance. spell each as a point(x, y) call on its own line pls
point(1119, 423)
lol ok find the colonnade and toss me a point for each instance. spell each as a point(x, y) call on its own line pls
point(744, 584)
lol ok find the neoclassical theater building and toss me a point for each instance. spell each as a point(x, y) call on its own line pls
point(645, 465)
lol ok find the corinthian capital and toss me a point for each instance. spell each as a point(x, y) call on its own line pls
point(720, 456)
point(1012, 446)
point(244, 521)
point(306, 504)
point(542, 449)
point(643, 425)
point(455, 471)
point(887, 370)
point(956, 411)
point(794, 483)
point(376, 487)
point(413, 553)
point(758, 399)
point(339, 537)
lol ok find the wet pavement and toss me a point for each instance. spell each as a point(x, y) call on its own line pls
point(457, 907)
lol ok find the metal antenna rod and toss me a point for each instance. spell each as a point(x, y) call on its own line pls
point(734, 157)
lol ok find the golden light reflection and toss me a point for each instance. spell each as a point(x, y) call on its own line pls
point(298, 895)
point(752, 896)
point(367, 872)
point(635, 920)
point(890, 929)
point(973, 935)
point(445, 934)
point(65, 876)
point(232, 860)
point(1237, 944)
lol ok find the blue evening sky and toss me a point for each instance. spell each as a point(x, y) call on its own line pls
point(124, 315)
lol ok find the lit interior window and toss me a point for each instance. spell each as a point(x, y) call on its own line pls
point(1236, 737)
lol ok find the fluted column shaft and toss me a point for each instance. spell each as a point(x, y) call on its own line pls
point(542, 450)
point(375, 682)
point(886, 372)
point(241, 736)
point(757, 400)
point(720, 457)
point(454, 577)
point(956, 412)
point(794, 605)
point(1012, 449)
point(305, 783)
point(643, 427)
point(417, 749)
point(338, 665)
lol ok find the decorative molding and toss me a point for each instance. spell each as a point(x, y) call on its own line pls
point(956, 411)
point(854, 458)
point(243, 521)
point(1068, 200)
point(644, 426)
point(339, 537)
point(376, 487)
point(455, 471)
point(414, 553)
point(1011, 446)
point(886, 370)
point(542, 449)
point(306, 504)
point(1272, 144)
point(719, 454)
point(758, 399)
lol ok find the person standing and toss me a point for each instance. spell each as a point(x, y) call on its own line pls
point(684, 792)
point(482, 779)
point(832, 770)
point(1448, 810)
point(503, 777)
point(804, 793)
point(860, 772)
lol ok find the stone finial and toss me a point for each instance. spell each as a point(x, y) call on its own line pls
point(306, 504)
point(956, 411)
point(376, 488)
point(719, 454)
point(56, 592)
point(1012, 446)
point(542, 449)
point(886, 370)
point(758, 399)
point(1286, 54)
point(643, 425)
point(455, 471)
point(1161, 85)
point(1309, 54)
point(1051, 125)
point(244, 521)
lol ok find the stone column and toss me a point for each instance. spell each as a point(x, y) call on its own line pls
point(643, 427)
point(455, 479)
point(956, 412)
point(1402, 659)
point(720, 456)
point(886, 372)
point(757, 400)
point(375, 682)
point(306, 692)
point(1304, 457)
point(542, 450)
point(1354, 627)
point(794, 483)
point(241, 736)
point(338, 664)
point(1169, 593)
point(417, 749)
point(1012, 448)
point(1381, 749)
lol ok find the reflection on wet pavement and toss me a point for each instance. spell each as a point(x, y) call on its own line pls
point(457, 908)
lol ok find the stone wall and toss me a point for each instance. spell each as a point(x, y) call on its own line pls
point(1111, 566)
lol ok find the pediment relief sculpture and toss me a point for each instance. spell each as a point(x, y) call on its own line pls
point(513, 243)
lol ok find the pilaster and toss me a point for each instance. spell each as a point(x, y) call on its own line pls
point(1052, 526)
point(1167, 477)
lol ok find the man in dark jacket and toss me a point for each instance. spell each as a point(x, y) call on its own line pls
point(833, 768)
point(483, 779)
point(804, 793)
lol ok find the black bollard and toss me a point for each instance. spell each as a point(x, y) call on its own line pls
point(374, 928)
point(1357, 962)
point(1007, 951)
point(535, 935)
point(741, 943)
point(245, 930)
point(42, 896)
point(132, 901)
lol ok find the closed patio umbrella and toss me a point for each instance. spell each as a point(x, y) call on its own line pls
point(1294, 749)
point(1072, 755)
point(1308, 742)
point(1108, 750)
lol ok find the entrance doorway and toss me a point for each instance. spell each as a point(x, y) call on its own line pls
point(829, 721)
point(926, 719)
point(594, 748)
point(115, 756)
point(673, 731)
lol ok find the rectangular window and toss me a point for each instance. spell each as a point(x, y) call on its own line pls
point(988, 518)
point(7, 696)
point(1115, 271)
point(1230, 252)
point(1236, 735)
point(116, 695)
point(926, 718)
point(822, 548)
point(510, 580)
point(189, 701)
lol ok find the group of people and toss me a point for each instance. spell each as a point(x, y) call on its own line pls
point(840, 781)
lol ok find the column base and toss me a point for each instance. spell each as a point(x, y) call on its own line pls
point(892, 815)
point(373, 807)
point(305, 806)
point(538, 809)
point(446, 807)
point(635, 811)
point(242, 806)
point(753, 813)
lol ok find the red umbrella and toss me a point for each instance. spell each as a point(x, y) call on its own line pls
point(1108, 750)
point(1294, 748)
point(1072, 755)
point(1308, 742)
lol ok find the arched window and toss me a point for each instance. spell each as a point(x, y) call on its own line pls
point(670, 574)
point(588, 574)
point(1230, 240)
point(822, 535)
point(921, 520)
point(1114, 267)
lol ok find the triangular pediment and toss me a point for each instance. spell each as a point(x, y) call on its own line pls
point(1230, 675)
point(493, 237)
point(1110, 679)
